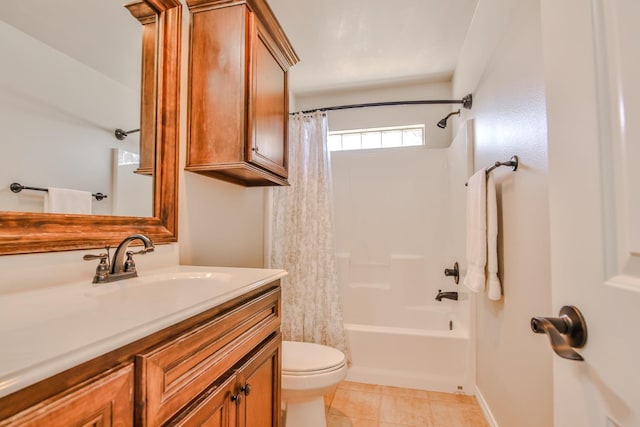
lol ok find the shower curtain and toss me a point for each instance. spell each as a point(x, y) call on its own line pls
point(303, 238)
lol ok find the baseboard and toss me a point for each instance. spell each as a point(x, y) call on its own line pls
point(485, 409)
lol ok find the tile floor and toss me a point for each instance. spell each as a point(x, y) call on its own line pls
point(365, 405)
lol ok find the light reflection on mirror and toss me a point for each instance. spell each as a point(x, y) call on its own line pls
point(70, 77)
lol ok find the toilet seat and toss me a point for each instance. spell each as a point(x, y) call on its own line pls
point(304, 359)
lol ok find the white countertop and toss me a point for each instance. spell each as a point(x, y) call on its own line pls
point(46, 331)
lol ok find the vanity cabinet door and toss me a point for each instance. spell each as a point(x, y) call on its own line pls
point(216, 408)
point(105, 400)
point(259, 382)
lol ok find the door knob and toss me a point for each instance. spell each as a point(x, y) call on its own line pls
point(568, 330)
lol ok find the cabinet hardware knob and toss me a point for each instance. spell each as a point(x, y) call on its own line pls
point(246, 389)
point(255, 149)
point(237, 398)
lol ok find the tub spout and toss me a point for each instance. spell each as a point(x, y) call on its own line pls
point(446, 295)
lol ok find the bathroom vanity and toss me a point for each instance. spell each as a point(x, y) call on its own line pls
point(179, 346)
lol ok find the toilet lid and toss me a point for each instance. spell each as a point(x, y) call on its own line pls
point(304, 357)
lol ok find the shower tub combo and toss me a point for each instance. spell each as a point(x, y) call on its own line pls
point(406, 339)
point(400, 221)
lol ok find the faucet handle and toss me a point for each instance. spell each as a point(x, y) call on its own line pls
point(102, 270)
point(129, 264)
point(89, 257)
point(105, 256)
point(141, 251)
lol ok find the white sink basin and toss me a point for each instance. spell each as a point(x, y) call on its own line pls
point(180, 287)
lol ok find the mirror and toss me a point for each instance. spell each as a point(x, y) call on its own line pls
point(62, 95)
point(27, 232)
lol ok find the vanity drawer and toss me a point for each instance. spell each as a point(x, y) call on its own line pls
point(175, 373)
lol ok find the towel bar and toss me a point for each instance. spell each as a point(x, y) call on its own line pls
point(16, 188)
point(513, 162)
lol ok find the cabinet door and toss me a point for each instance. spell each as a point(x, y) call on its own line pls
point(268, 106)
point(106, 400)
point(217, 408)
point(217, 87)
point(259, 381)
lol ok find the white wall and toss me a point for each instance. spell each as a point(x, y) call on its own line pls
point(501, 64)
point(220, 223)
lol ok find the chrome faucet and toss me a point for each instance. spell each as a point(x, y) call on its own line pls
point(119, 268)
point(446, 295)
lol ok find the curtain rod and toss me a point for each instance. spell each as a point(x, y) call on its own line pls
point(466, 103)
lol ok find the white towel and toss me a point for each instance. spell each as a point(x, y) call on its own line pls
point(476, 231)
point(64, 200)
point(493, 282)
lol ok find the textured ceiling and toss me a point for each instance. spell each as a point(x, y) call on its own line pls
point(355, 43)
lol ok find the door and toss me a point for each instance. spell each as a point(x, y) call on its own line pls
point(268, 105)
point(592, 64)
point(215, 408)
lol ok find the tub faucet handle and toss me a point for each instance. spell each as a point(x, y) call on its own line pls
point(453, 272)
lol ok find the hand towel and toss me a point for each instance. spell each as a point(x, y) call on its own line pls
point(64, 200)
point(476, 231)
point(493, 282)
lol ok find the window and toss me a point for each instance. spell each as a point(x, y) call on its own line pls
point(363, 139)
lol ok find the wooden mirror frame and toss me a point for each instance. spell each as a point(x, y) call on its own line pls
point(25, 232)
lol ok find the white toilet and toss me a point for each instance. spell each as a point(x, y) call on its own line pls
point(309, 371)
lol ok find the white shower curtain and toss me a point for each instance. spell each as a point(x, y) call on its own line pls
point(303, 238)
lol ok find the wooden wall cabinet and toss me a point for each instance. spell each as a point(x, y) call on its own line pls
point(219, 368)
point(238, 92)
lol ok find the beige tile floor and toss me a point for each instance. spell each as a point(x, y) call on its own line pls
point(365, 405)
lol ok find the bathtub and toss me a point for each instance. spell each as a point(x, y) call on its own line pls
point(435, 357)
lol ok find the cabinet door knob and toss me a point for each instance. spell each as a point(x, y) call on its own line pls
point(237, 398)
point(246, 389)
point(255, 148)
